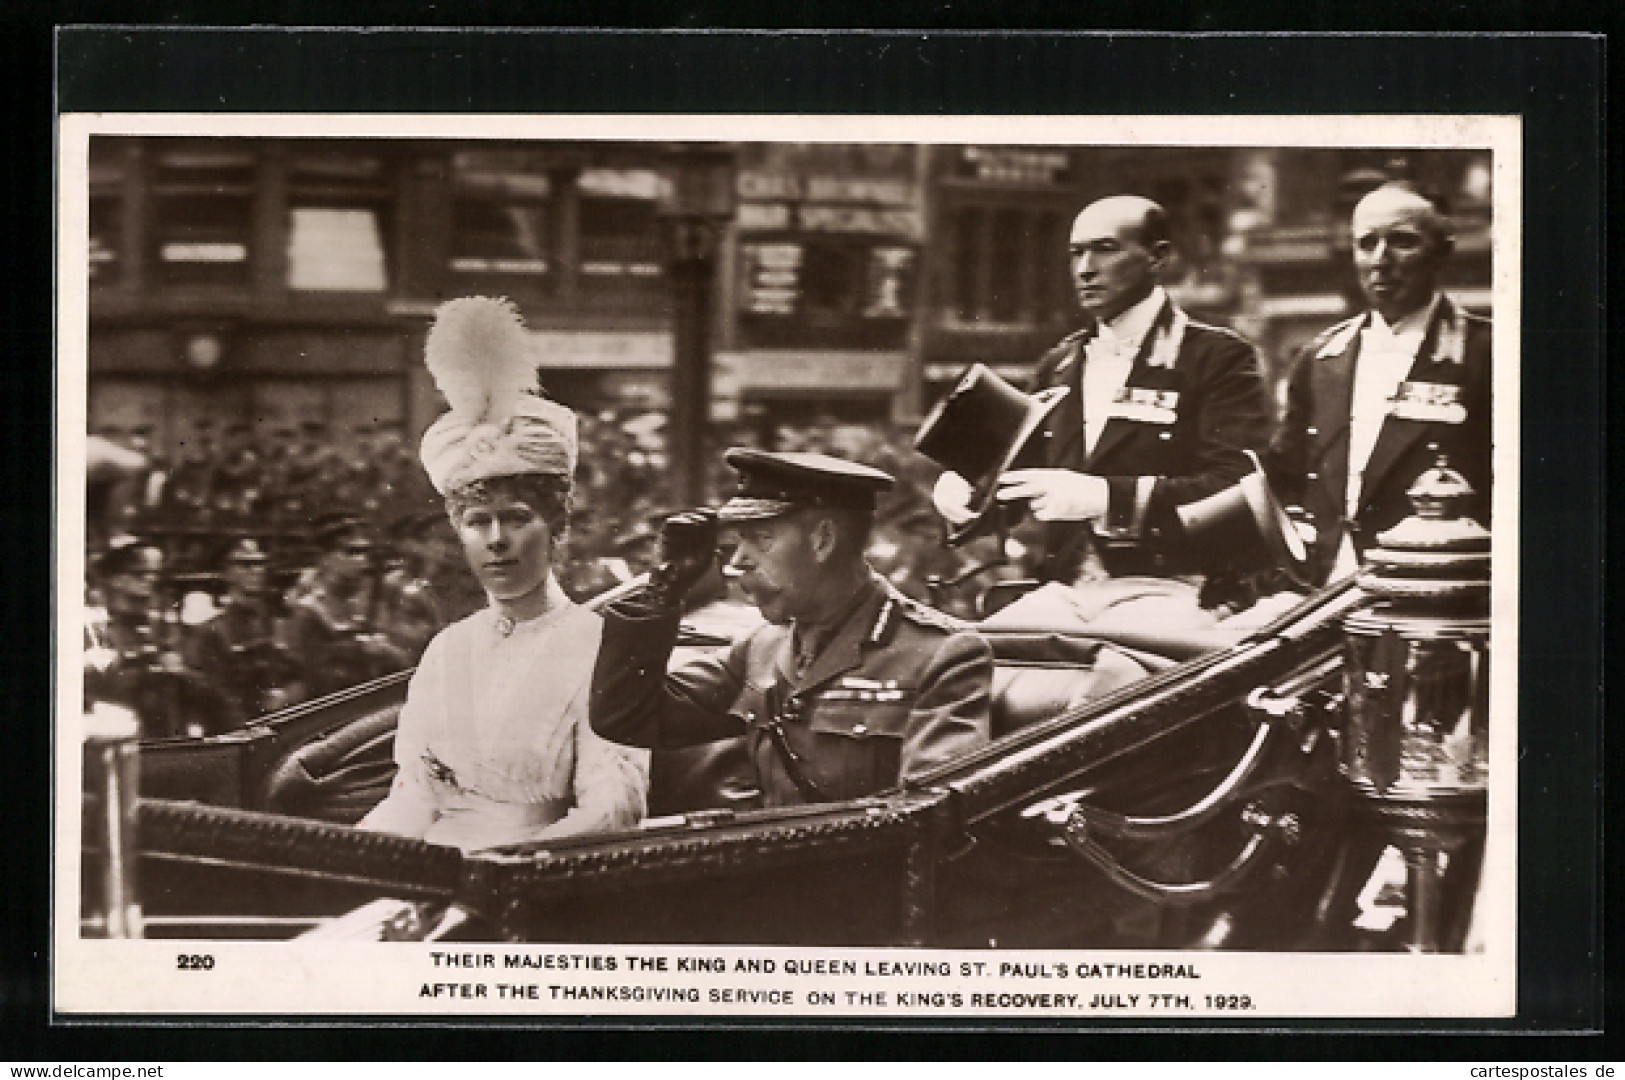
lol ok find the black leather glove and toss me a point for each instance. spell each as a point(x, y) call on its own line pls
point(688, 547)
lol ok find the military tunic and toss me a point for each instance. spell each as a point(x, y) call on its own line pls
point(1193, 404)
point(333, 644)
point(1442, 405)
point(237, 651)
point(897, 689)
point(409, 614)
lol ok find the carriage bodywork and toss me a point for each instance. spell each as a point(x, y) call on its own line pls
point(1202, 807)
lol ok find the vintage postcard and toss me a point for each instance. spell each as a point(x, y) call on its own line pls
point(1113, 615)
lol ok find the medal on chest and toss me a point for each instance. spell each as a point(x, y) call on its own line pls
point(1437, 403)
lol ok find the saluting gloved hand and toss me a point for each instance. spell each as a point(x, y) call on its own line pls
point(688, 547)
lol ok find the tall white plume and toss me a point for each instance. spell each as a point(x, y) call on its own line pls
point(480, 357)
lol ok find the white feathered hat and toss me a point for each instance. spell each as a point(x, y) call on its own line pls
point(499, 425)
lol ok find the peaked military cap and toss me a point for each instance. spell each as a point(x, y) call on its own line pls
point(131, 555)
point(771, 484)
point(244, 551)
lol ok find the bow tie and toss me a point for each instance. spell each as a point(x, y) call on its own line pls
point(1105, 345)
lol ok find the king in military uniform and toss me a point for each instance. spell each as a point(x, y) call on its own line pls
point(849, 688)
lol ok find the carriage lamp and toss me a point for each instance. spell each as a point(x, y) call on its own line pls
point(1414, 749)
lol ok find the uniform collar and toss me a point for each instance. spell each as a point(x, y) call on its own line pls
point(1415, 323)
point(1128, 330)
point(815, 638)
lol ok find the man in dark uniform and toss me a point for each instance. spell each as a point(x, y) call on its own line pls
point(1163, 411)
point(140, 664)
point(237, 650)
point(333, 637)
point(408, 612)
point(850, 688)
point(1372, 401)
point(239, 477)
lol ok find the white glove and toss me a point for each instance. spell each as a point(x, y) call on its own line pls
point(952, 497)
point(1057, 494)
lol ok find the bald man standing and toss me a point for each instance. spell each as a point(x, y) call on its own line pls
point(1372, 400)
point(1162, 412)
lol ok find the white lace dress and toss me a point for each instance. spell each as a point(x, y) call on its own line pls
point(493, 743)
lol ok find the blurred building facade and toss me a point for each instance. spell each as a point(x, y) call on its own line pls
point(288, 283)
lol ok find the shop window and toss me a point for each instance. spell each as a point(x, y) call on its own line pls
point(968, 264)
point(620, 233)
point(1052, 281)
point(1010, 266)
point(203, 215)
point(502, 221)
point(337, 207)
point(889, 285)
point(105, 220)
point(107, 168)
point(1010, 250)
point(832, 281)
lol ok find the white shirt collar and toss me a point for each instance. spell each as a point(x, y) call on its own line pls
point(1129, 328)
point(1415, 323)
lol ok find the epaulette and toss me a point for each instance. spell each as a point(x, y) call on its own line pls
point(925, 615)
point(1215, 328)
point(1061, 355)
point(1335, 338)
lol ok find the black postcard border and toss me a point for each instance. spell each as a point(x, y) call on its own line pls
point(1553, 82)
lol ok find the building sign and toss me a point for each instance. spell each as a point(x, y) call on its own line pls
point(829, 245)
point(791, 187)
point(766, 372)
point(850, 205)
point(770, 278)
point(1004, 165)
point(624, 350)
point(809, 279)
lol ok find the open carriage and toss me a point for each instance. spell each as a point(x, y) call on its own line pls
point(1238, 797)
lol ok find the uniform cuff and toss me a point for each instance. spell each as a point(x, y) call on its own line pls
point(1128, 500)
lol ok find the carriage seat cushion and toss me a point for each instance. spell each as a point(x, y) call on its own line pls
point(1037, 677)
point(339, 775)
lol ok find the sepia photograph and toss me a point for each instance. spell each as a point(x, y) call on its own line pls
point(899, 567)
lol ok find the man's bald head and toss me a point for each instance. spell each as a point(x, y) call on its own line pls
point(1401, 242)
point(1147, 220)
point(1118, 247)
point(1400, 201)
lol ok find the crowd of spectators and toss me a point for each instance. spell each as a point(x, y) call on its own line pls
point(282, 489)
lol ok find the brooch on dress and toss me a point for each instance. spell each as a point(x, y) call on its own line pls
point(439, 770)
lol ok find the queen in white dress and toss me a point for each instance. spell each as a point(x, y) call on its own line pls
point(493, 744)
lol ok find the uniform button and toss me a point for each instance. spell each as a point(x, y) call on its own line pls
point(860, 729)
point(1311, 431)
point(1311, 476)
point(1165, 435)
